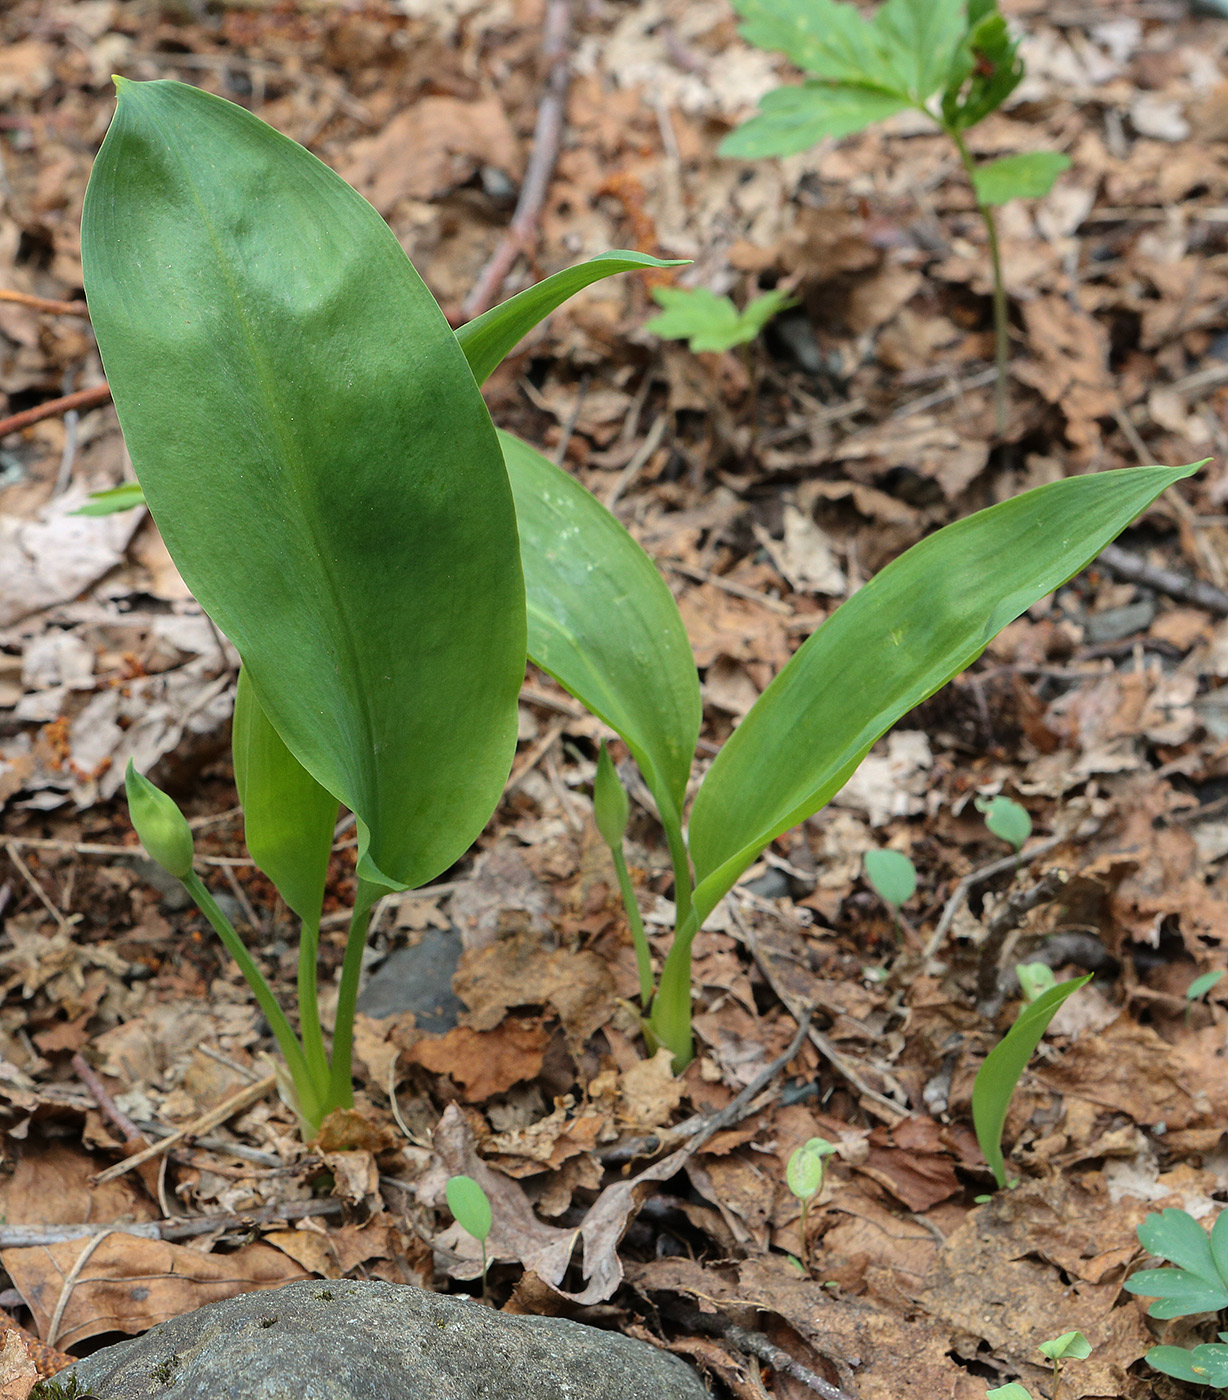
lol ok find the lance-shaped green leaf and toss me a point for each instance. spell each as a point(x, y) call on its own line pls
point(999, 1074)
point(603, 623)
point(489, 338)
point(917, 623)
point(1027, 176)
point(313, 446)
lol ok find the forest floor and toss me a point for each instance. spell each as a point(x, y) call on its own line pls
point(767, 489)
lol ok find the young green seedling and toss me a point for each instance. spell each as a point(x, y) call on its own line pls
point(470, 1207)
point(374, 550)
point(893, 878)
point(1070, 1346)
point(1035, 979)
point(1199, 987)
point(711, 323)
point(804, 1175)
point(1011, 1391)
point(998, 1076)
point(1006, 819)
point(955, 61)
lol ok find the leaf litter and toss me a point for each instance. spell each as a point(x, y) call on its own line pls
point(765, 498)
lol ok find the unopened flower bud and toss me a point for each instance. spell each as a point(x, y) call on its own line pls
point(162, 827)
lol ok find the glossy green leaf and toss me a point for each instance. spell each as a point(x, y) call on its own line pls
point(1027, 176)
point(288, 817)
point(319, 460)
point(794, 118)
point(470, 1206)
point(489, 338)
point(711, 323)
point(603, 623)
point(999, 1074)
point(1204, 1365)
point(917, 623)
point(892, 874)
point(125, 497)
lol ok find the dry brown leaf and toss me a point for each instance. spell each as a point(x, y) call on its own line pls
point(128, 1283)
point(485, 1062)
point(650, 1092)
point(18, 1373)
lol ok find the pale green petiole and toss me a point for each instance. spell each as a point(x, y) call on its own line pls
point(340, 1089)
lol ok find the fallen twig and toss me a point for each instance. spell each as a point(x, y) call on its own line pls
point(753, 1344)
point(1013, 912)
point(1137, 570)
point(987, 872)
point(183, 1228)
point(47, 304)
point(547, 135)
point(109, 1108)
point(82, 399)
point(248, 1095)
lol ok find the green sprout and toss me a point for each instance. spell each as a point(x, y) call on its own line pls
point(955, 61)
point(711, 323)
point(1007, 820)
point(1198, 988)
point(804, 1176)
point(1070, 1346)
point(893, 878)
point(470, 1207)
point(1035, 979)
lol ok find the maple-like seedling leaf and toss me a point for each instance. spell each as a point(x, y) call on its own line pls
point(711, 323)
point(1199, 1281)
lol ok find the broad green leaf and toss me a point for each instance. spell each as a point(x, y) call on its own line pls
point(470, 1206)
point(603, 623)
point(488, 339)
point(288, 818)
point(712, 323)
point(1006, 819)
point(792, 119)
point(319, 460)
point(125, 497)
point(1199, 1281)
point(997, 1077)
point(1204, 1365)
point(1027, 176)
point(906, 49)
point(917, 623)
point(892, 874)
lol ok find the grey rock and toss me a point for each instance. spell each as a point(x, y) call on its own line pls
point(349, 1340)
point(418, 979)
point(1116, 624)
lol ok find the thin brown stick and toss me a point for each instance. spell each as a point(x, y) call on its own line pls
point(70, 1282)
point(27, 875)
point(248, 1095)
point(1137, 570)
point(82, 399)
point(47, 304)
point(547, 136)
point(102, 1096)
point(184, 1228)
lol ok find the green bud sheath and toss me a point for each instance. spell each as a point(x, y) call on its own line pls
point(611, 806)
point(162, 827)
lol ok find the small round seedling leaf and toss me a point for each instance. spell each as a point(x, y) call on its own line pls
point(1006, 819)
point(1070, 1345)
point(1200, 986)
point(1013, 1391)
point(470, 1206)
point(1035, 979)
point(892, 874)
point(804, 1174)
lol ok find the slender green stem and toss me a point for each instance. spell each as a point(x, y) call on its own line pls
point(643, 956)
point(671, 1009)
point(1001, 318)
point(341, 1087)
point(306, 1085)
point(308, 1000)
point(684, 889)
point(484, 1266)
point(805, 1243)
